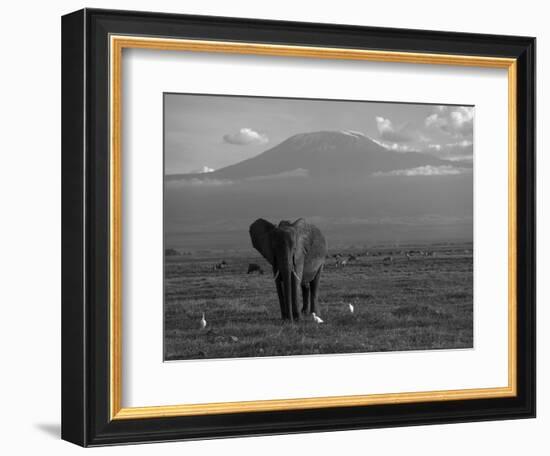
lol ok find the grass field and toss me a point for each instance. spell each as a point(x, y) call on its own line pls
point(420, 303)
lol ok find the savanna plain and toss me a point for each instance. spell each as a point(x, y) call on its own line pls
point(411, 297)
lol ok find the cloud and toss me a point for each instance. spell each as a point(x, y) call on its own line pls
point(464, 144)
point(396, 147)
point(446, 132)
point(203, 170)
point(462, 158)
point(197, 182)
point(389, 132)
point(299, 172)
point(457, 121)
point(213, 182)
point(245, 136)
point(428, 170)
point(460, 150)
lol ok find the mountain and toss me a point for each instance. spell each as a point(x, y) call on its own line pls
point(345, 182)
point(325, 154)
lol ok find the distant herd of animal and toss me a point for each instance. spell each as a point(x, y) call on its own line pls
point(252, 267)
point(341, 260)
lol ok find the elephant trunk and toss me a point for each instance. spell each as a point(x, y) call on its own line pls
point(295, 294)
point(285, 274)
point(287, 288)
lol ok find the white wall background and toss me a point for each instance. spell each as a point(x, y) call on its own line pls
point(30, 192)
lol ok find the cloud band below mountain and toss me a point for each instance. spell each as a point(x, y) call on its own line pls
point(428, 170)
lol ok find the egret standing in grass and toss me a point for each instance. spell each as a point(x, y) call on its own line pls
point(316, 319)
point(203, 322)
point(350, 305)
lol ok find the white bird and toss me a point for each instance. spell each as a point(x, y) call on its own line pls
point(350, 307)
point(203, 322)
point(316, 319)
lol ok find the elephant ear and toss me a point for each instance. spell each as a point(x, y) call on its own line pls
point(259, 235)
point(302, 235)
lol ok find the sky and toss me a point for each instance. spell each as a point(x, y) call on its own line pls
point(209, 132)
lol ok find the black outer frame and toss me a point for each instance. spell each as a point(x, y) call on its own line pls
point(85, 227)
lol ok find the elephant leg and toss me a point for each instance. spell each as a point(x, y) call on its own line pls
point(305, 299)
point(315, 292)
point(294, 292)
point(280, 294)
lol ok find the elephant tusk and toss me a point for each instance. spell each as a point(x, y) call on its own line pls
point(276, 275)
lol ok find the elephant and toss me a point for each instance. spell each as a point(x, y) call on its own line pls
point(297, 253)
point(253, 267)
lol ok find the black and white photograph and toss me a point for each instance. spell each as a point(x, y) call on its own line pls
point(299, 221)
point(314, 226)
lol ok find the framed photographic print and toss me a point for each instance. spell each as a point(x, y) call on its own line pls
point(277, 227)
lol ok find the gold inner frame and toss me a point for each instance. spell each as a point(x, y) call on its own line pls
point(117, 44)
